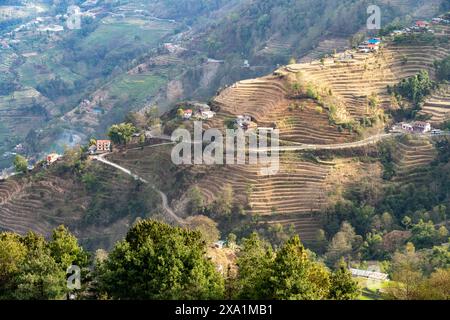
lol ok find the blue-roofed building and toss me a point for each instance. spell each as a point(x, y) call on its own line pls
point(374, 41)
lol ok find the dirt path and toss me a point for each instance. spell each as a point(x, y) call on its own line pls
point(165, 201)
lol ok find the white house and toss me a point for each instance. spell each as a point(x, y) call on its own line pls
point(52, 157)
point(421, 126)
point(243, 119)
point(369, 274)
point(407, 127)
point(187, 114)
point(207, 114)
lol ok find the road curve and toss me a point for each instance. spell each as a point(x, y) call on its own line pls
point(165, 201)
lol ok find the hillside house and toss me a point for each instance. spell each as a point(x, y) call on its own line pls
point(202, 107)
point(374, 41)
point(421, 126)
point(344, 57)
point(219, 244)
point(416, 126)
point(243, 120)
point(103, 146)
point(436, 132)
point(52, 157)
point(204, 115)
point(363, 49)
point(92, 149)
point(422, 24)
point(406, 127)
point(187, 114)
point(373, 275)
point(373, 47)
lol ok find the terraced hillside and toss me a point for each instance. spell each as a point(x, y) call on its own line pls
point(294, 196)
point(408, 60)
point(266, 101)
point(27, 205)
point(326, 47)
point(412, 158)
point(302, 188)
point(438, 105)
point(98, 215)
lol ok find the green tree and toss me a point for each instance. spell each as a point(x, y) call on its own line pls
point(254, 262)
point(180, 112)
point(65, 250)
point(12, 255)
point(343, 287)
point(20, 164)
point(424, 234)
point(415, 88)
point(294, 276)
point(405, 274)
point(32, 268)
point(196, 203)
point(121, 133)
point(158, 261)
point(341, 244)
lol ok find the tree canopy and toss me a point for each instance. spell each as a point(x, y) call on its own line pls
point(121, 133)
point(158, 261)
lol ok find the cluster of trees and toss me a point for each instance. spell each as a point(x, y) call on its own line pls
point(121, 133)
point(222, 208)
point(289, 273)
point(383, 238)
point(20, 164)
point(55, 88)
point(414, 88)
point(443, 69)
point(33, 268)
point(158, 261)
point(371, 223)
point(411, 281)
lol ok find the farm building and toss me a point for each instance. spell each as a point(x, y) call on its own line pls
point(407, 127)
point(421, 126)
point(187, 114)
point(103, 145)
point(52, 157)
point(422, 24)
point(369, 274)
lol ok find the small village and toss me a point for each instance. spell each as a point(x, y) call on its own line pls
point(196, 111)
point(415, 127)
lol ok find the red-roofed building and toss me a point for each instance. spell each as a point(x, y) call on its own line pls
point(187, 114)
point(422, 24)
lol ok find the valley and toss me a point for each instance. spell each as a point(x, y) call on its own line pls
point(89, 120)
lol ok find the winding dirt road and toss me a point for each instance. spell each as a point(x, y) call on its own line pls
point(165, 201)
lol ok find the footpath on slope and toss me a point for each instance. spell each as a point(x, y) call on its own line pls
point(165, 201)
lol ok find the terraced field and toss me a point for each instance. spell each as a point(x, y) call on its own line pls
point(298, 189)
point(305, 125)
point(352, 81)
point(405, 61)
point(302, 188)
point(41, 204)
point(438, 105)
point(412, 158)
point(326, 47)
point(26, 205)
